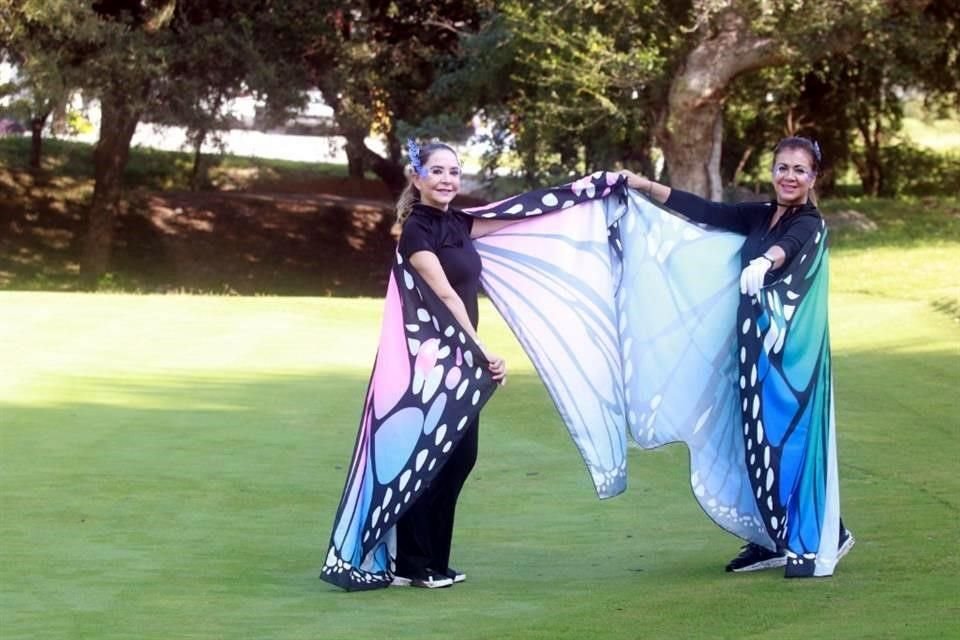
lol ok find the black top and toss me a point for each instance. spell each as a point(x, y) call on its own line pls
point(447, 234)
point(752, 219)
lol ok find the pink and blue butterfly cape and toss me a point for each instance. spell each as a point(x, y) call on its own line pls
point(429, 381)
point(633, 319)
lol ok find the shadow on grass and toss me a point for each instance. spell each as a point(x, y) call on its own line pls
point(949, 306)
point(203, 242)
point(276, 228)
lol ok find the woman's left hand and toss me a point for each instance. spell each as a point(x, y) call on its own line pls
point(751, 278)
point(498, 367)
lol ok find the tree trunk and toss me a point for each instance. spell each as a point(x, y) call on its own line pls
point(740, 165)
point(356, 151)
point(36, 139)
point(870, 168)
point(198, 139)
point(390, 172)
point(200, 136)
point(690, 132)
point(715, 183)
point(117, 124)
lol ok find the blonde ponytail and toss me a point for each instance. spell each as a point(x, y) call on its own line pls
point(408, 197)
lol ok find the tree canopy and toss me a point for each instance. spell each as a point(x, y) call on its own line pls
point(581, 84)
point(703, 85)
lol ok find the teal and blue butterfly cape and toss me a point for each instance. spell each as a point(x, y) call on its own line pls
point(633, 319)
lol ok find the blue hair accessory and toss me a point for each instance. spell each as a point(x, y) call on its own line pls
point(413, 150)
point(816, 151)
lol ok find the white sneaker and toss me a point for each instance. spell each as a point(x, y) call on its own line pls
point(429, 580)
point(455, 575)
point(846, 543)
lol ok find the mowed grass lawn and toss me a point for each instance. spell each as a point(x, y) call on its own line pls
point(170, 467)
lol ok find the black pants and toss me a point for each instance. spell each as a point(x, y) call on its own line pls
point(425, 531)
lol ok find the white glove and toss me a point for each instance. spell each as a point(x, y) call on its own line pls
point(751, 278)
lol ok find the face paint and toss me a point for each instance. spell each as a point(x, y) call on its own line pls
point(781, 170)
point(793, 176)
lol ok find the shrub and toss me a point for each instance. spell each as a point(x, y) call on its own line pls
point(913, 171)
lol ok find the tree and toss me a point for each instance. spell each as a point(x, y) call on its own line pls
point(227, 50)
point(106, 48)
point(375, 64)
point(569, 86)
point(685, 60)
point(39, 89)
point(159, 58)
point(852, 101)
point(42, 85)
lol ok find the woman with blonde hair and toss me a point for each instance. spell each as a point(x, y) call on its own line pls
point(419, 431)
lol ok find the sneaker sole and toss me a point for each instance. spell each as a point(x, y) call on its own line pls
point(455, 575)
point(431, 584)
point(400, 582)
point(775, 563)
point(772, 563)
point(847, 545)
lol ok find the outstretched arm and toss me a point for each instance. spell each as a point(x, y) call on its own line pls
point(657, 191)
point(485, 226)
point(732, 217)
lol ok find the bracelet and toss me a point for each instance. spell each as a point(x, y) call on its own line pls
point(768, 259)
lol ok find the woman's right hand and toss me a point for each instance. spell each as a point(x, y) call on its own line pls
point(637, 182)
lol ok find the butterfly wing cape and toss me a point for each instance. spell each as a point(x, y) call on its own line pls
point(553, 279)
point(633, 318)
point(429, 380)
point(787, 411)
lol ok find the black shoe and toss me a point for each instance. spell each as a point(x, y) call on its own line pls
point(456, 576)
point(753, 557)
point(427, 580)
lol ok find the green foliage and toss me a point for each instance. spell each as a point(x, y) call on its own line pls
point(77, 122)
point(914, 171)
point(217, 53)
point(375, 64)
point(852, 101)
point(169, 62)
point(583, 85)
point(562, 86)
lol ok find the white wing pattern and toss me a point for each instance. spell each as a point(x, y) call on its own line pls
point(627, 312)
